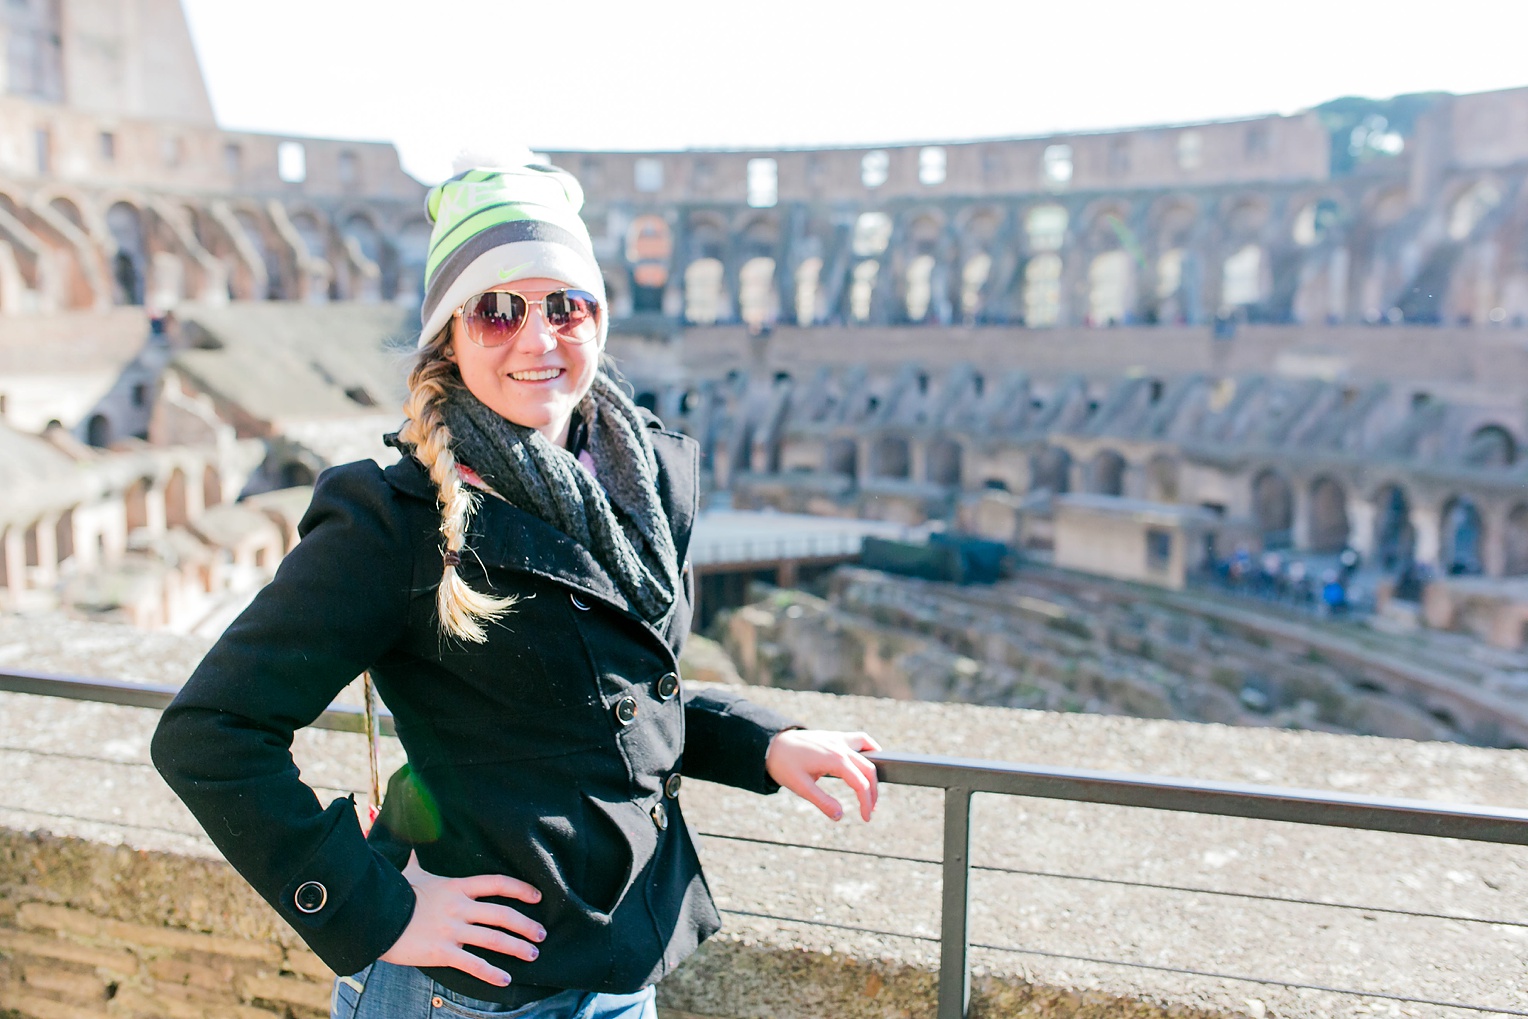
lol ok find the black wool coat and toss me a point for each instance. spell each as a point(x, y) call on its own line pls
point(549, 753)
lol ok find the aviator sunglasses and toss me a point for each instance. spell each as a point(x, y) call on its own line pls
point(493, 318)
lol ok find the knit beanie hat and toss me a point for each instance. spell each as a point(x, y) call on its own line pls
point(494, 225)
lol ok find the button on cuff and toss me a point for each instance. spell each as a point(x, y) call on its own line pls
point(626, 710)
point(671, 785)
point(310, 897)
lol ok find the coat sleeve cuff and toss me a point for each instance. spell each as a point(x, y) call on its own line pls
point(727, 738)
point(347, 901)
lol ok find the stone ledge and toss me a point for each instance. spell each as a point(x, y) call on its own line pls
point(163, 873)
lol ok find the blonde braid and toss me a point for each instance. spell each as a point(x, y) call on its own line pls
point(462, 610)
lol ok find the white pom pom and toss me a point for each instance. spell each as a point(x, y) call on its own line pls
point(493, 157)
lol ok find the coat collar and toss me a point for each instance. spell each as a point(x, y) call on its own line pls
point(508, 537)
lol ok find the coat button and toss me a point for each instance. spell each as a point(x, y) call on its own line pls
point(626, 710)
point(660, 816)
point(578, 603)
point(310, 897)
point(671, 785)
point(668, 686)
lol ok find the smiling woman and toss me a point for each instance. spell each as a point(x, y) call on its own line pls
point(515, 586)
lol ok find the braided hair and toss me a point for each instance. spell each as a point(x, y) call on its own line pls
point(461, 610)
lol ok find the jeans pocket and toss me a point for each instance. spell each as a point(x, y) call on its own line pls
point(345, 1000)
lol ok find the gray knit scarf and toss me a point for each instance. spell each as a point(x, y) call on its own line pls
point(630, 539)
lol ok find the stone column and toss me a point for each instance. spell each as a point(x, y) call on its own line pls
point(1493, 543)
point(1361, 515)
point(154, 510)
point(1300, 525)
point(46, 571)
point(1427, 522)
point(13, 558)
point(917, 460)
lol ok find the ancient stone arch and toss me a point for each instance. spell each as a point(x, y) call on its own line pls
point(944, 461)
point(1491, 446)
point(212, 486)
point(1106, 473)
point(130, 262)
point(1329, 528)
point(1273, 509)
point(1395, 536)
point(176, 509)
point(1162, 478)
point(1462, 537)
point(1515, 540)
point(1050, 468)
point(841, 457)
point(890, 457)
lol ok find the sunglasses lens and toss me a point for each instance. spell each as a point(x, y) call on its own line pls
point(573, 313)
point(493, 318)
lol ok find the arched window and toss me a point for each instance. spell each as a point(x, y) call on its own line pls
point(1273, 509)
point(842, 458)
point(1042, 290)
point(758, 300)
point(1242, 281)
point(703, 291)
point(1517, 541)
point(1394, 537)
point(862, 289)
point(1045, 227)
point(1328, 516)
point(1110, 282)
point(890, 458)
point(1106, 474)
point(1463, 537)
point(920, 274)
point(944, 462)
point(973, 277)
point(808, 280)
point(1051, 469)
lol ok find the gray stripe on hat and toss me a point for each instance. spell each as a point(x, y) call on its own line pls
point(495, 237)
point(442, 240)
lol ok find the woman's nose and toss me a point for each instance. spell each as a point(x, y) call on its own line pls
point(535, 336)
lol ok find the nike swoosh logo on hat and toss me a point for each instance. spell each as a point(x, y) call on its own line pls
point(509, 274)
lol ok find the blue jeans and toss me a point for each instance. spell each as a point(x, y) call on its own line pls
point(385, 991)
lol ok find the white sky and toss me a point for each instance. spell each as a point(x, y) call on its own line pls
point(627, 74)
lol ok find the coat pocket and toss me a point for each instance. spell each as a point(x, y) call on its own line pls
point(619, 842)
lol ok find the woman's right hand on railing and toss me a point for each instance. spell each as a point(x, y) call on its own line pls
point(448, 915)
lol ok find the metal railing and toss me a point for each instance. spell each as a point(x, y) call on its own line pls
point(960, 779)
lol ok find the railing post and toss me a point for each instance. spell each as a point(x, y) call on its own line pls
point(954, 926)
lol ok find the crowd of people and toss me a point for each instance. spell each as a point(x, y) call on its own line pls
point(1325, 585)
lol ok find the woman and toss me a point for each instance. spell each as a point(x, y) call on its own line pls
point(517, 587)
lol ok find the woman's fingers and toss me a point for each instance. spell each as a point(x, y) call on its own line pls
point(482, 885)
point(496, 940)
point(806, 787)
point(490, 915)
point(848, 769)
point(458, 958)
